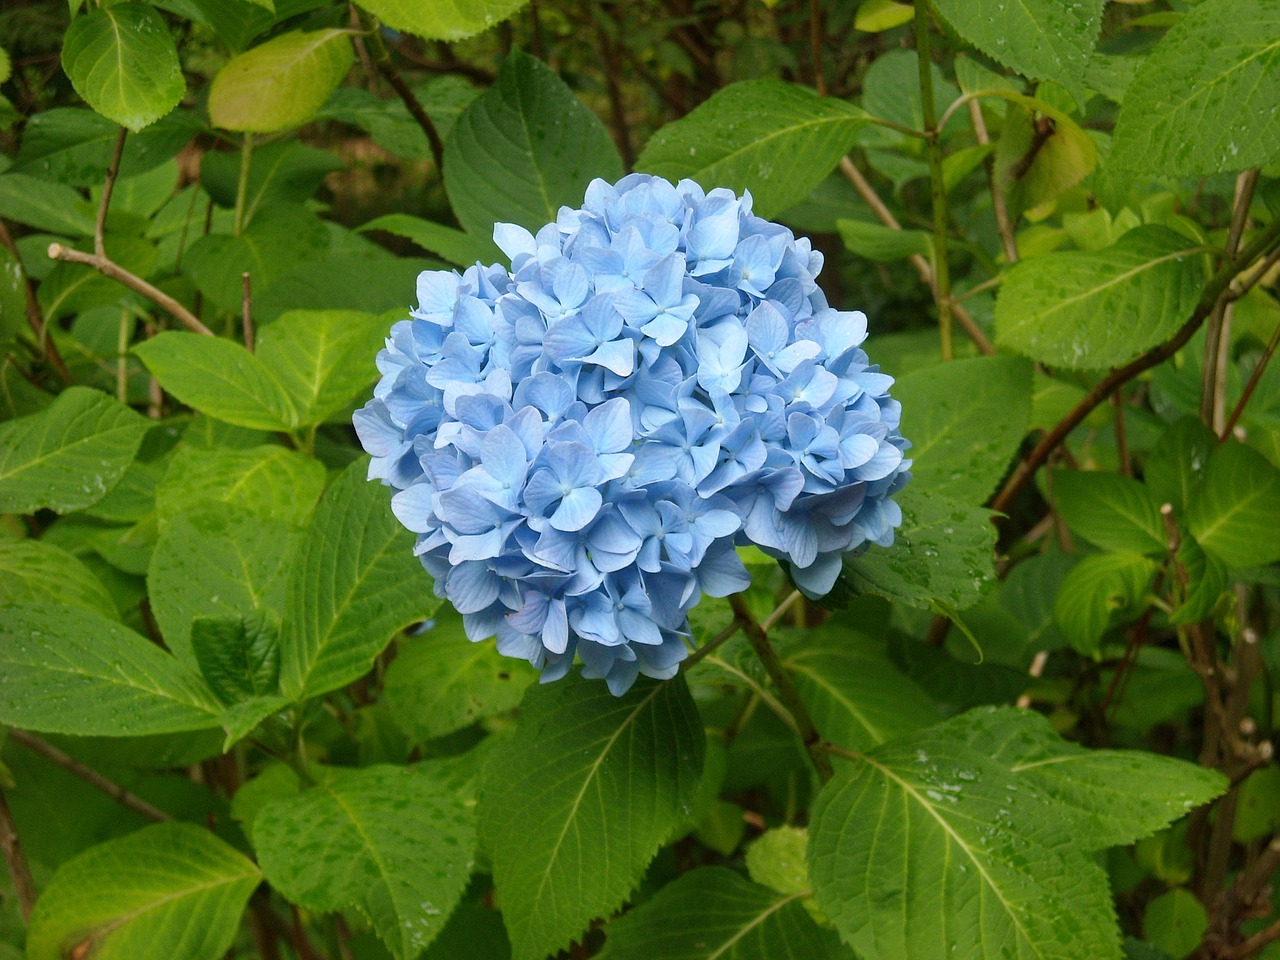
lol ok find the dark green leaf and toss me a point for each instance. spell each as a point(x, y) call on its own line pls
point(240, 657)
point(355, 583)
point(54, 207)
point(1238, 499)
point(883, 244)
point(1207, 578)
point(281, 173)
point(776, 139)
point(74, 146)
point(1110, 511)
point(69, 455)
point(37, 573)
point(1177, 463)
point(453, 245)
point(1175, 922)
point(1098, 592)
point(523, 149)
point(394, 843)
point(1202, 101)
point(169, 890)
point(1089, 310)
point(575, 804)
point(123, 61)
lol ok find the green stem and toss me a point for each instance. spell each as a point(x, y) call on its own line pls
point(790, 697)
point(242, 186)
point(937, 187)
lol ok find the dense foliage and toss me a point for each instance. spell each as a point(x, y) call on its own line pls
point(240, 723)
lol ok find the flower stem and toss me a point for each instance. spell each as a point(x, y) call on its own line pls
point(937, 188)
point(790, 697)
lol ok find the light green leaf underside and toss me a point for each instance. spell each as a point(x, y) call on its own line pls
point(281, 83)
point(77, 672)
point(355, 583)
point(778, 140)
point(169, 890)
point(575, 804)
point(394, 843)
point(69, 455)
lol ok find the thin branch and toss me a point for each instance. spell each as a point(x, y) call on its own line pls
point(1250, 947)
point(362, 51)
point(780, 610)
point(108, 185)
point(937, 186)
point(617, 109)
point(815, 47)
point(1004, 226)
point(242, 184)
point(16, 860)
point(1252, 385)
point(786, 689)
point(1218, 335)
point(34, 316)
point(90, 776)
point(109, 268)
point(246, 311)
point(1217, 287)
point(382, 57)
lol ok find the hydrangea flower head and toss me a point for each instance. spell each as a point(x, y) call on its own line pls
point(581, 442)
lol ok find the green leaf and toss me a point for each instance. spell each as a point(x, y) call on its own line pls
point(73, 146)
point(857, 697)
point(355, 583)
point(875, 16)
point(69, 455)
point(1041, 153)
point(576, 802)
point(81, 673)
point(281, 83)
point(924, 845)
point(323, 359)
point(523, 149)
point(1041, 39)
point(1118, 795)
point(1207, 578)
point(778, 140)
point(944, 404)
point(1098, 592)
point(1178, 461)
point(123, 61)
point(883, 244)
point(395, 843)
point(777, 860)
point(269, 480)
point(441, 682)
point(1202, 101)
point(1258, 807)
point(1091, 310)
point(282, 174)
point(217, 377)
point(1238, 500)
point(942, 554)
point(38, 573)
point(1175, 922)
point(54, 207)
point(447, 20)
point(239, 657)
point(168, 890)
point(218, 561)
point(712, 913)
point(1110, 511)
point(461, 249)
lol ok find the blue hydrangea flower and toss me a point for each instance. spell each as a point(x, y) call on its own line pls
point(581, 442)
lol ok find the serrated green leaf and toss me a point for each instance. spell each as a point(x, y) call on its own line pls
point(778, 140)
point(712, 913)
point(217, 377)
point(576, 802)
point(355, 583)
point(38, 573)
point(269, 480)
point(1178, 461)
point(942, 553)
point(81, 673)
point(322, 359)
point(857, 697)
point(1111, 511)
point(238, 657)
point(883, 244)
point(1099, 591)
point(457, 247)
point(73, 146)
point(394, 843)
point(950, 455)
point(1239, 497)
point(69, 455)
point(1175, 922)
point(54, 207)
point(445, 20)
point(1220, 61)
point(523, 149)
point(1119, 795)
point(921, 846)
point(1091, 310)
point(1041, 39)
point(122, 60)
point(440, 682)
point(281, 83)
point(169, 890)
point(215, 560)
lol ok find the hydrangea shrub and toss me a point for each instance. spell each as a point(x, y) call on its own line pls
point(581, 442)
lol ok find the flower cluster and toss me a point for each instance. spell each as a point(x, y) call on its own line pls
point(579, 443)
